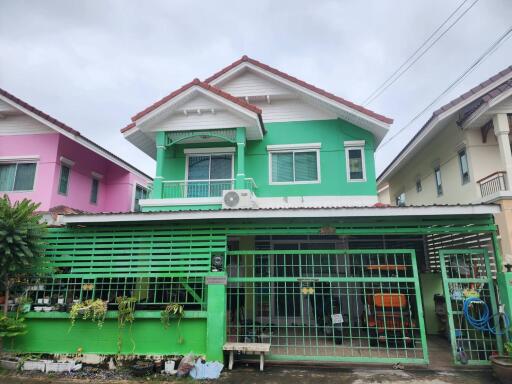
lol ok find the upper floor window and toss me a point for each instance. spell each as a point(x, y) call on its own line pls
point(294, 164)
point(208, 174)
point(354, 156)
point(17, 176)
point(419, 187)
point(140, 194)
point(95, 186)
point(438, 180)
point(464, 167)
point(65, 171)
point(400, 200)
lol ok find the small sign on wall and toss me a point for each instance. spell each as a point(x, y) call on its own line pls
point(216, 280)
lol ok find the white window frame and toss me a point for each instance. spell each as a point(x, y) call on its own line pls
point(94, 177)
point(189, 153)
point(134, 192)
point(21, 160)
point(459, 152)
point(440, 185)
point(350, 146)
point(294, 148)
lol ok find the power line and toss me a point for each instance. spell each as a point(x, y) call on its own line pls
point(407, 64)
point(488, 52)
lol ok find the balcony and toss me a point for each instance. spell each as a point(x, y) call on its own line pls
point(493, 183)
point(201, 188)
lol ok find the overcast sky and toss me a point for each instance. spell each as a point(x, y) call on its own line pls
point(94, 64)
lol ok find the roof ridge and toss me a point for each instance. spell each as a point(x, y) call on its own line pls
point(302, 83)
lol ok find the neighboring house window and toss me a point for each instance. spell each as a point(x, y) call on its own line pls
point(419, 187)
point(464, 167)
point(439, 183)
point(400, 200)
point(354, 156)
point(140, 193)
point(64, 179)
point(209, 174)
point(297, 165)
point(17, 176)
point(95, 185)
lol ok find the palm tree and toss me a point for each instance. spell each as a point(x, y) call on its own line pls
point(21, 241)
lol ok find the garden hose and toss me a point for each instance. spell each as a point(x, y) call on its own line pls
point(483, 323)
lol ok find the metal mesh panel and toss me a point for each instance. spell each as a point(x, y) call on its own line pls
point(346, 305)
point(467, 273)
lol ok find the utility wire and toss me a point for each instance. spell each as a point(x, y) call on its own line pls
point(488, 52)
point(407, 64)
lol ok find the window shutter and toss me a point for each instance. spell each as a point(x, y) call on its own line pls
point(282, 167)
point(306, 166)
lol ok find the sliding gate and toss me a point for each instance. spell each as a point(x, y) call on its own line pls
point(337, 305)
point(467, 275)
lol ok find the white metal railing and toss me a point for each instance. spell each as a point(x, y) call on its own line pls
point(495, 182)
point(195, 188)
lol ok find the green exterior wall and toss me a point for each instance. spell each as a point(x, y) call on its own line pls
point(147, 336)
point(333, 177)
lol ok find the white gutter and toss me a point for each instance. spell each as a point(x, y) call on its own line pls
point(281, 214)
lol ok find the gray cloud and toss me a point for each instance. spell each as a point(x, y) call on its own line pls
point(93, 64)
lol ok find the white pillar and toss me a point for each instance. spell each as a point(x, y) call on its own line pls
point(501, 130)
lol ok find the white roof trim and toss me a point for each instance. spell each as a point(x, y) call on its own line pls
point(485, 107)
point(281, 214)
point(301, 89)
point(89, 145)
point(292, 147)
point(196, 88)
point(398, 161)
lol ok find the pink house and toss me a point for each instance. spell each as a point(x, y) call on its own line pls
point(46, 161)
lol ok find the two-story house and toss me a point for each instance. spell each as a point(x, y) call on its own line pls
point(461, 155)
point(50, 163)
point(263, 227)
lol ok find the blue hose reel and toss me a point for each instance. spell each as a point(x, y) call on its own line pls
point(483, 323)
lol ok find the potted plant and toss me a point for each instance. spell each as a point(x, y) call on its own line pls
point(24, 304)
point(175, 311)
point(502, 365)
point(95, 310)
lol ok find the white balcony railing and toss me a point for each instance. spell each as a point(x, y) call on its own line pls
point(195, 188)
point(493, 183)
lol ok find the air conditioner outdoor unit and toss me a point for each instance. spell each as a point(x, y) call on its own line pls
point(237, 199)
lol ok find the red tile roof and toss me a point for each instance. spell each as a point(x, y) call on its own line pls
point(455, 102)
point(65, 127)
point(195, 82)
point(302, 83)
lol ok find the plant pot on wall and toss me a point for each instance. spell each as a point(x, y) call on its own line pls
point(502, 368)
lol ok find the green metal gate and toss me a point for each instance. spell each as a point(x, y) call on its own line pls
point(337, 305)
point(467, 273)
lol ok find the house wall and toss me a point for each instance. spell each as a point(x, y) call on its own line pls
point(42, 145)
point(117, 187)
point(333, 177)
point(483, 159)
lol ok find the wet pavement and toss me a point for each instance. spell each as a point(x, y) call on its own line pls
point(295, 375)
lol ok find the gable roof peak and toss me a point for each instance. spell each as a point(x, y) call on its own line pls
point(301, 83)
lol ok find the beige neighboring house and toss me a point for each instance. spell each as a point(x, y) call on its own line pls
point(461, 155)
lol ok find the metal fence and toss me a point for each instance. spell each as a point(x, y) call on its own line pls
point(340, 305)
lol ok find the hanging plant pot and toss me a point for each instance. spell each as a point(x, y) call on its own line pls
point(502, 368)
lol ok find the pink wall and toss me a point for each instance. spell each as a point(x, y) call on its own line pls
point(44, 146)
point(116, 189)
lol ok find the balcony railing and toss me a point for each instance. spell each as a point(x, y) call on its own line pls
point(201, 188)
point(195, 188)
point(495, 182)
